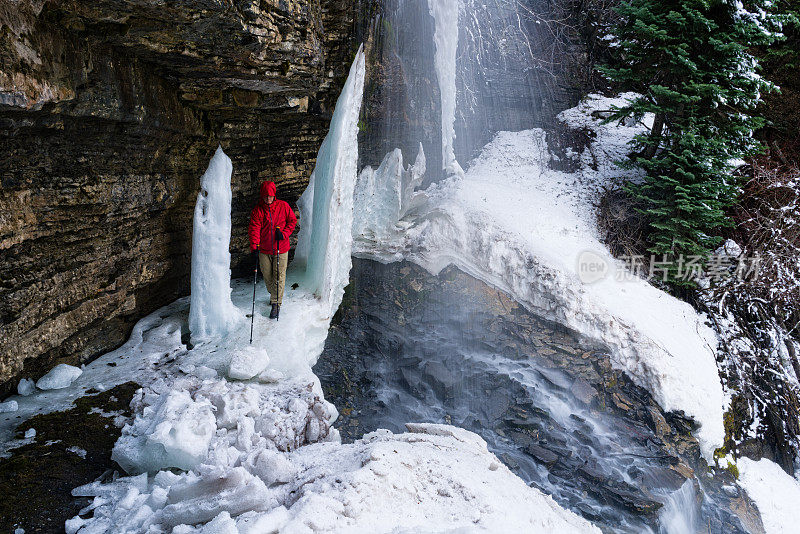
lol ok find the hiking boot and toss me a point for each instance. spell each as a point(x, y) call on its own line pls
point(273, 314)
point(277, 311)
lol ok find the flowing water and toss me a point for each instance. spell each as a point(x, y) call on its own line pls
point(412, 347)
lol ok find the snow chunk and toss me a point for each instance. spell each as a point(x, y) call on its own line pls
point(30, 433)
point(25, 387)
point(9, 406)
point(173, 430)
point(77, 450)
point(775, 493)
point(247, 363)
point(59, 377)
point(211, 312)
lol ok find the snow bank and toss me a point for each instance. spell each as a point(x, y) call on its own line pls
point(526, 229)
point(432, 479)
point(59, 377)
point(776, 493)
point(211, 312)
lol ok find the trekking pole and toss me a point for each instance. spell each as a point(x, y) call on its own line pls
point(253, 313)
point(277, 272)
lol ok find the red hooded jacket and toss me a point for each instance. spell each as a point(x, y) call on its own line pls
point(266, 217)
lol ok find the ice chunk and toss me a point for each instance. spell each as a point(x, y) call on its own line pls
point(233, 490)
point(222, 524)
point(77, 450)
point(9, 406)
point(25, 387)
point(211, 312)
point(175, 432)
point(326, 206)
point(30, 433)
point(235, 405)
point(200, 371)
point(247, 362)
point(59, 377)
point(383, 196)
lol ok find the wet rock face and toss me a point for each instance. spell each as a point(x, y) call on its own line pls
point(109, 114)
point(409, 347)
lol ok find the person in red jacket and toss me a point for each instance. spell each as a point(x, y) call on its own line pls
point(272, 221)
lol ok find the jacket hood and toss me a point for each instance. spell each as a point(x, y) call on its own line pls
point(268, 189)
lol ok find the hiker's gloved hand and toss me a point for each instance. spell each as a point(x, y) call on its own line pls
point(254, 254)
point(278, 235)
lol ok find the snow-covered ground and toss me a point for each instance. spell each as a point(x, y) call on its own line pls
point(775, 493)
point(524, 228)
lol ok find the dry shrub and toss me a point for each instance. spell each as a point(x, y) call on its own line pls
point(624, 228)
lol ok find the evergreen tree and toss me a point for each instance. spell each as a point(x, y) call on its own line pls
point(689, 62)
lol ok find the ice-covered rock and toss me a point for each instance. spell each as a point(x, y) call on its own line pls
point(26, 386)
point(211, 312)
point(529, 230)
point(59, 377)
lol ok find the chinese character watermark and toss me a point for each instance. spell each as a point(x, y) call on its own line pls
point(592, 267)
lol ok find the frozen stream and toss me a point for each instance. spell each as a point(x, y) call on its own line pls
point(449, 349)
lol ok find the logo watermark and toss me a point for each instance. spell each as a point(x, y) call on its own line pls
point(592, 267)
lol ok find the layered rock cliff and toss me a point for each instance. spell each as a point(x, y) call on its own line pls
point(109, 113)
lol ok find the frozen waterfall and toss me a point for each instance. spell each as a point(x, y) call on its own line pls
point(445, 16)
point(326, 207)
